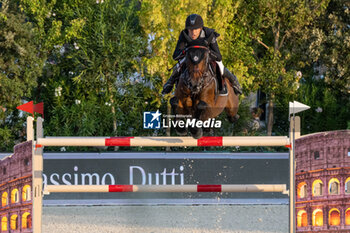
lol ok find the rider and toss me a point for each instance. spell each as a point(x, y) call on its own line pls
point(193, 31)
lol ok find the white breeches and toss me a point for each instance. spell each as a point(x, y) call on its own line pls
point(221, 67)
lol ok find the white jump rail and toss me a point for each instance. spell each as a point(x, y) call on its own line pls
point(164, 141)
point(282, 188)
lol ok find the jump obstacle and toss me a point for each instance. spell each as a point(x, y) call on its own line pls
point(41, 142)
point(164, 141)
point(188, 188)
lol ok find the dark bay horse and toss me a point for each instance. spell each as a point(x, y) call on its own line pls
point(196, 92)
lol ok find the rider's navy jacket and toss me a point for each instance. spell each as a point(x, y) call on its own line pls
point(205, 33)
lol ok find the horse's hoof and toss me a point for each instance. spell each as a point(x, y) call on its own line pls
point(197, 134)
point(234, 118)
point(207, 130)
point(181, 131)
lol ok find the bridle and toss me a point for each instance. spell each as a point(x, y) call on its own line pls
point(203, 82)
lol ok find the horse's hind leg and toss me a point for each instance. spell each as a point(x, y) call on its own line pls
point(232, 118)
point(232, 106)
point(232, 115)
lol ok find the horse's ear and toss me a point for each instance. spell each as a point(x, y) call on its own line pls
point(188, 39)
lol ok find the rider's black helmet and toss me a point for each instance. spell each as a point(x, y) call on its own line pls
point(194, 21)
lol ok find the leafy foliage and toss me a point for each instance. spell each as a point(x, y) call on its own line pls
point(91, 71)
point(326, 47)
point(20, 65)
point(271, 25)
point(99, 64)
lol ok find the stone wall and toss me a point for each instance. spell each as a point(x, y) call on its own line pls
point(15, 190)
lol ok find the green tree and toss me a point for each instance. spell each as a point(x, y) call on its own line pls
point(108, 50)
point(328, 110)
point(20, 65)
point(326, 47)
point(323, 49)
point(91, 75)
point(55, 22)
point(272, 26)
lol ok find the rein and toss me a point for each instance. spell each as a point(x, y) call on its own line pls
point(206, 78)
point(196, 47)
point(205, 81)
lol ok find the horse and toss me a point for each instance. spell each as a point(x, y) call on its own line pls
point(196, 92)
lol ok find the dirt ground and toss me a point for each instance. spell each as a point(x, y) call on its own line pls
point(205, 218)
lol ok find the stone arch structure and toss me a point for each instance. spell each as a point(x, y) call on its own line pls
point(317, 188)
point(324, 158)
point(4, 199)
point(334, 217)
point(15, 190)
point(302, 190)
point(347, 217)
point(317, 218)
point(26, 220)
point(333, 186)
point(302, 218)
point(26, 193)
point(14, 196)
point(4, 224)
point(14, 222)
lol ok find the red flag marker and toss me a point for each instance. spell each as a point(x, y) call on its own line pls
point(288, 146)
point(39, 108)
point(27, 107)
point(31, 108)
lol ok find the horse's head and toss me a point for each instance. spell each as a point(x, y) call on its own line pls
point(197, 61)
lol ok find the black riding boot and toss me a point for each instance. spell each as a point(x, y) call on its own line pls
point(233, 80)
point(168, 86)
point(221, 85)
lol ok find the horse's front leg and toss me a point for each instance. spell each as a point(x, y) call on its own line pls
point(180, 107)
point(206, 105)
point(200, 108)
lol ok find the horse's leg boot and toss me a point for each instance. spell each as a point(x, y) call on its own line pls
point(168, 86)
point(234, 81)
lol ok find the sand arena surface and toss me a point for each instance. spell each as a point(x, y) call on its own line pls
point(179, 219)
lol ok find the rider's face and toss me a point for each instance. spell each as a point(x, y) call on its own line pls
point(194, 33)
